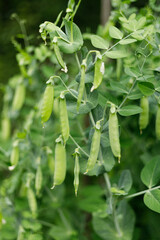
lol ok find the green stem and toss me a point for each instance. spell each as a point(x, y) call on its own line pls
point(66, 87)
point(130, 90)
point(116, 221)
point(78, 145)
point(92, 119)
point(117, 43)
point(78, 62)
point(142, 192)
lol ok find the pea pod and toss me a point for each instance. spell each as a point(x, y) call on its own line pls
point(32, 202)
point(76, 171)
point(58, 55)
point(98, 72)
point(144, 115)
point(38, 180)
point(64, 118)
point(47, 104)
point(114, 133)
point(14, 155)
point(19, 97)
point(95, 145)
point(6, 128)
point(60, 162)
point(158, 123)
point(82, 84)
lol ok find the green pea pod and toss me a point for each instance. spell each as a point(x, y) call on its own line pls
point(114, 133)
point(95, 145)
point(56, 107)
point(158, 123)
point(58, 55)
point(14, 155)
point(82, 84)
point(144, 115)
point(76, 171)
point(64, 118)
point(19, 97)
point(98, 72)
point(6, 128)
point(38, 180)
point(47, 104)
point(32, 202)
point(60, 162)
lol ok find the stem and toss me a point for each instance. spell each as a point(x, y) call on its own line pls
point(117, 43)
point(66, 87)
point(142, 192)
point(78, 145)
point(92, 119)
point(23, 30)
point(78, 62)
point(130, 90)
point(108, 185)
point(116, 221)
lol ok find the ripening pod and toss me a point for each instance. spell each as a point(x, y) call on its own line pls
point(47, 104)
point(144, 115)
point(19, 97)
point(6, 128)
point(60, 162)
point(157, 127)
point(14, 158)
point(64, 117)
point(98, 72)
point(32, 202)
point(56, 107)
point(76, 170)
point(38, 180)
point(82, 84)
point(114, 133)
point(95, 145)
point(58, 55)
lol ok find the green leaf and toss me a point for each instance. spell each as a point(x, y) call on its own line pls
point(131, 72)
point(136, 94)
point(150, 174)
point(152, 200)
point(127, 41)
point(119, 87)
point(115, 33)
point(125, 181)
point(129, 110)
point(116, 54)
point(99, 42)
point(146, 88)
point(105, 228)
point(108, 159)
point(74, 37)
point(141, 22)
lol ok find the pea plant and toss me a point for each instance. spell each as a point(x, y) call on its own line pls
point(80, 130)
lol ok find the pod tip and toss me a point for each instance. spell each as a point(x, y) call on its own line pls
point(86, 171)
point(119, 159)
point(53, 187)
